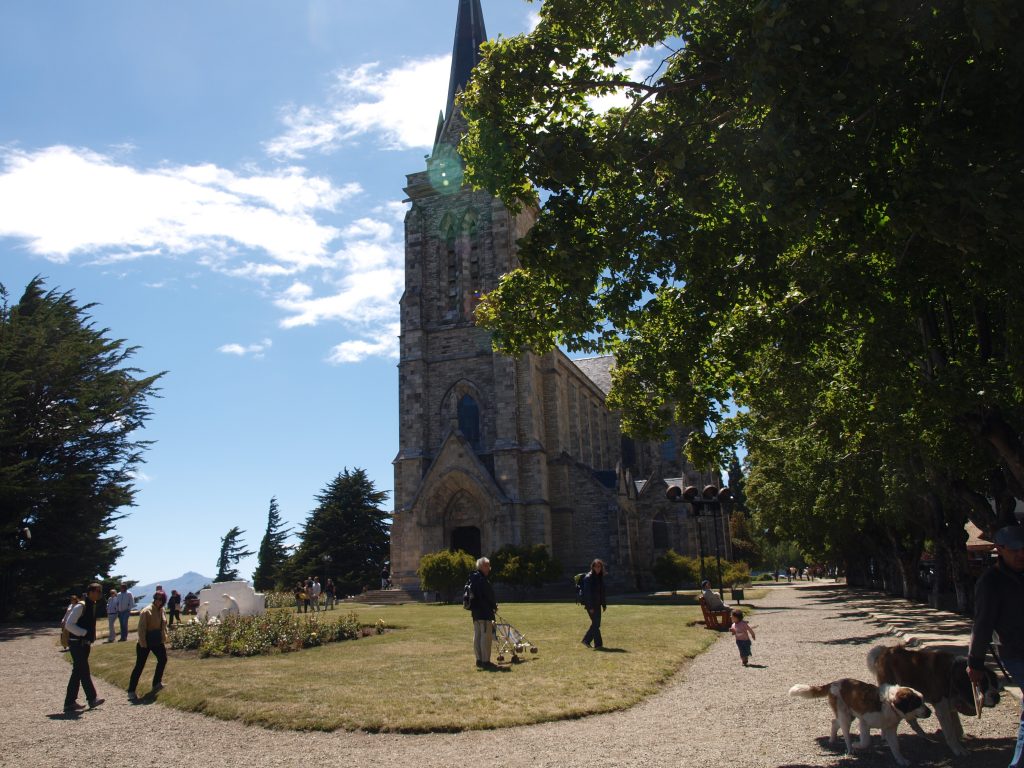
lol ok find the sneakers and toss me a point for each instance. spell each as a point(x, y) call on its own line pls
point(95, 703)
point(133, 697)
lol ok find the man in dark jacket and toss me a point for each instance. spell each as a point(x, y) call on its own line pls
point(999, 606)
point(594, 602)
point(483, 606)
point(81, 627)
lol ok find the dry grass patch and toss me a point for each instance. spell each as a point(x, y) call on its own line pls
point(421, 676)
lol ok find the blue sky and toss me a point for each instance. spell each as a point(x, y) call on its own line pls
point(225, 181)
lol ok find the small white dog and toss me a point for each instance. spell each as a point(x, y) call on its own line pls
point(871, 706)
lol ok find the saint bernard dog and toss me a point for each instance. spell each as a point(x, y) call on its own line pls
point(942, 679)
point(871, 706)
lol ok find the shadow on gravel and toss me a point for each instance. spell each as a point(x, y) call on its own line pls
point(11, 632)
point(862, 640)
point(984, 753)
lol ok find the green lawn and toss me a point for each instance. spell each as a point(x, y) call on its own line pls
point(421, 676)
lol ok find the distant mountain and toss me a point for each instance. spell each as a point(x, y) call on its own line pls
point(187, 582)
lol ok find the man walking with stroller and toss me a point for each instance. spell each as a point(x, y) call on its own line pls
point(483, 606)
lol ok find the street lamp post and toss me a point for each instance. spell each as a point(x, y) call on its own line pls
point(708, 501)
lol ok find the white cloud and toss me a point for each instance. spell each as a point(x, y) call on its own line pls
point(635, 67)
point(64, 200)
point(398, 105)
point(384, 344)
point(257, 351)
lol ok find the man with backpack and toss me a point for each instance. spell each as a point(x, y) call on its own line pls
point(484, 607)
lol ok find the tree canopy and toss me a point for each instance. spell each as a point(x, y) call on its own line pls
point(71, 412)
point(273, 551)
point(232, 549)
point(807, 209)
point(346, 537)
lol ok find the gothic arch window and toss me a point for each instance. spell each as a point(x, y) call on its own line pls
point(469, 420)
point(463, 408)
point(659, 530)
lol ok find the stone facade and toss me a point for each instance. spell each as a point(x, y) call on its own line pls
point(495, 450)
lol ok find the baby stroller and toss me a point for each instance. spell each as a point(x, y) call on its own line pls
point(511, 641)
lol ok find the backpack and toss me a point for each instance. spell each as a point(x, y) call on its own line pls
point(467, 595)
point(577, 580)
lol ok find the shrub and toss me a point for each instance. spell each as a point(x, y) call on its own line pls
point(277, 599)
point(524, 567)
point(673, 570)
point(276, 632)
point(445, 572)
point(735, 573)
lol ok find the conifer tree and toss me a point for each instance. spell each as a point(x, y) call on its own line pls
point(273, 551)
point(71, 411)
point(231, 551)
point(346, 537)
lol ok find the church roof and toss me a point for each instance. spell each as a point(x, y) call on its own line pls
point(469, 35)
point(598, 370)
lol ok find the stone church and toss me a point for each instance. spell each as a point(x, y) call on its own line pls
point(496, 450)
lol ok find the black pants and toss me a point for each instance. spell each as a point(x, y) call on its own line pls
point(174, 615)
point(141, 654)
point(80, 675)
point(594, 633)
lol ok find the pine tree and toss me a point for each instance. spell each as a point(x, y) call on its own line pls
point(273, 551)
point(71, 411)
point(231, 551)
point(346, 537)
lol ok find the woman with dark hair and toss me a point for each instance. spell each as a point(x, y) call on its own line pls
point(594, 602)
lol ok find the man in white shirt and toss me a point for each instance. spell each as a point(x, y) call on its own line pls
point(125, 603)
point(316, 593)
point(711, 599)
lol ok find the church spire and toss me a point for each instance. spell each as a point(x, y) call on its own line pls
point(469, 35)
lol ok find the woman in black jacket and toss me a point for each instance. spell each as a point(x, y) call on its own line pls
point(594, 602)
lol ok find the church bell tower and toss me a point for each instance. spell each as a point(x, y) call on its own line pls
point(459, 474)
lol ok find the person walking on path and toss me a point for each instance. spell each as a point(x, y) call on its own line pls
point(125, 603)
point(81, 627)
point(744, 634)
point(594, 602)
point(484, 607)
point(152, 639)
point(999, 607)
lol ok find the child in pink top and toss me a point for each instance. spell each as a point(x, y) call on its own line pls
point(743, 633)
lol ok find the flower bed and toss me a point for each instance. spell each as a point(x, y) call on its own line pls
point(275, 632)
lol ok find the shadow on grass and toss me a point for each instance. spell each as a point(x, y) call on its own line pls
point(606, 649)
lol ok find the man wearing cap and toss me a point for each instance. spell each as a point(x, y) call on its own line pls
point(999, 606)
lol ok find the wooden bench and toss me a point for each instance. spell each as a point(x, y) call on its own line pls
point(717, 620)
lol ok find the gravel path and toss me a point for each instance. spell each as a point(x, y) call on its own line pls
point(714, 711)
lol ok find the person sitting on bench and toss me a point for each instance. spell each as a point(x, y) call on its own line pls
point(711, 598)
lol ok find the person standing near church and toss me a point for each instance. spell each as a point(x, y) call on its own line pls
point(152, 639)
point(484, 607)
point(594, 602)
point(125, 603)
point(111, 615)
point(81, 627)
point(999, 607)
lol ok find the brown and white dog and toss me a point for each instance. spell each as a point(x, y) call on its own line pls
point(941, 677)
point(872, 706)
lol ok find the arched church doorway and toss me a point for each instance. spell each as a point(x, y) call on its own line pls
point(467, 538)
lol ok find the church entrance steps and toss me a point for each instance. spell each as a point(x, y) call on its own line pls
point(387, 596)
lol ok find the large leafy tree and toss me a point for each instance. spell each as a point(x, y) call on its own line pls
point(71, 411)
point(273, 551)
point(232, 549)
point(806, 202)
point(346, 537)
